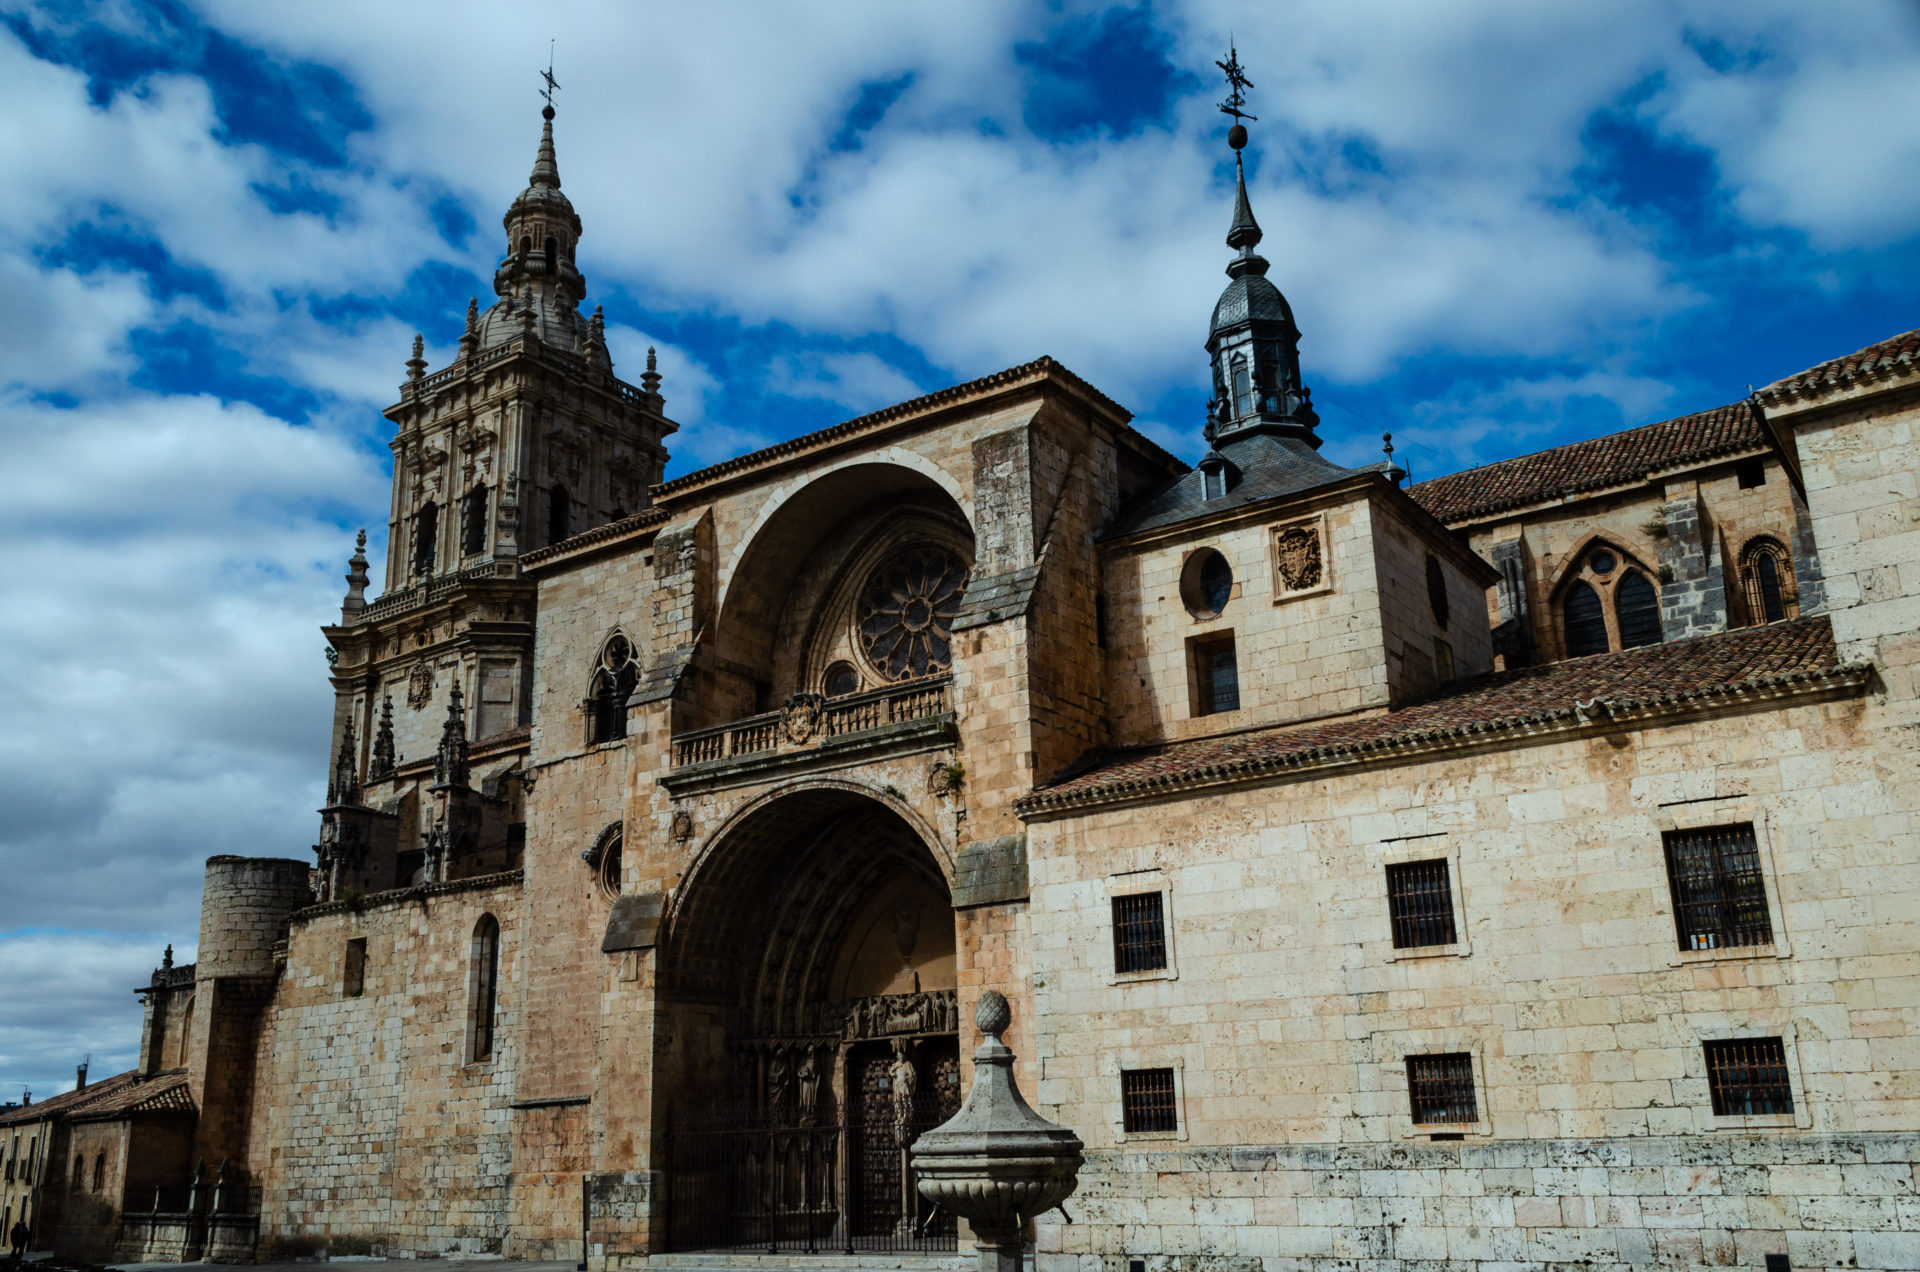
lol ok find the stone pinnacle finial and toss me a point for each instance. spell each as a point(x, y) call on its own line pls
point(383, 757)
point(417, 364)
point(344, 788)
point(356, 598)
point(166, 960)
point(650, 381)
point(992, 1014)
point(546, 169)
point(450, 767)
point(470, 338)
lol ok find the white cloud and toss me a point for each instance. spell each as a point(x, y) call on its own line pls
point(859, 382)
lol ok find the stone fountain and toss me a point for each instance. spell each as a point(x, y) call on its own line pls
point(997, 1163)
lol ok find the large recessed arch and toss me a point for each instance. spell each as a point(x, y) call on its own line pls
point(790, 566)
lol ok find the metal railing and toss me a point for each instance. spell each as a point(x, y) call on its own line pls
point(809, 720)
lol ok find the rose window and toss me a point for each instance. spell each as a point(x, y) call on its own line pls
point(907, 610)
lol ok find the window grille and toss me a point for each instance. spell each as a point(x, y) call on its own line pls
point(1586, 622)
point(1146, 1101)
point(1441, 1089)
point(1219, 677)
point(1766, 573)
point(1719, 897)
point(1421, 903)
point(1139, 933)
point(1637, 606)
point(1748, 1077)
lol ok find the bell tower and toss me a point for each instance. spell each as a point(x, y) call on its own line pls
point(526, 438)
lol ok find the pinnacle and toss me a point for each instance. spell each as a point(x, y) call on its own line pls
point(546, 169)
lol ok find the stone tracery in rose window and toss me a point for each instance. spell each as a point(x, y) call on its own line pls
point(905, 617)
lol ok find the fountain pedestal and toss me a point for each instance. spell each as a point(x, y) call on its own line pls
point(997, 1163)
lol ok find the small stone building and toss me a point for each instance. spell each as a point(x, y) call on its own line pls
point(1517, 869)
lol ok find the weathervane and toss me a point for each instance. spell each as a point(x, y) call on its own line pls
point(552, 83)
point(1237, 86)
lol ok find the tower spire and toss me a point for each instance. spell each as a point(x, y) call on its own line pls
point(1252, 340)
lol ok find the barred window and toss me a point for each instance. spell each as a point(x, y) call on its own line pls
point(1748, 1077)
point(1441, 1089)
point(1139, 933)
point(1217, 675)
point(1719, 898)
point(1146, 1100)
point(1421, 904)
point(485, 984)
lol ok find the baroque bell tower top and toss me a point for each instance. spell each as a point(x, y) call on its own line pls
point(1253, 341)
point(539, 285)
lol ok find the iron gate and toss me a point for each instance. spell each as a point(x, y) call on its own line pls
point(736, 1180)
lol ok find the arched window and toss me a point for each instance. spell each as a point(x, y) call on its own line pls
point(183, 1042)
point(841, 679)
point(1636, 607)
point(1766, 575)
point(99, 1171)
point(1586, 621)
point(553, 255)
point(559, 514)
point(485, 982)
point(79, 1170)
point(613, 684)
point(526, 246)
point(473, 521)
point(1242, 388)
point(606, 861)
point(426, 536)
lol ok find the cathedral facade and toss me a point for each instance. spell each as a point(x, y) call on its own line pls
point(1519, 868)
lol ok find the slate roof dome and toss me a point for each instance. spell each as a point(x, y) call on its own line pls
point(1250, 298)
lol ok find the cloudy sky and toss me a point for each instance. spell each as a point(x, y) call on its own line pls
point(1502, 224)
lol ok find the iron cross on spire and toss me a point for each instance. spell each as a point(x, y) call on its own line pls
point(547, 75)
point(1237, 86)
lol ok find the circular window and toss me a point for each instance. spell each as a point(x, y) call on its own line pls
point(907, 610)
point(1206, 584)
point(841, 679)
point(1602, 562)
point(1437, 590)
point(607, 872)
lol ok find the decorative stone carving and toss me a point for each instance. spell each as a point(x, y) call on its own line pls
point(801, 714)
point(1297, 556)
point(681, 829)
point(996, 1162)
point(809, 1086)
point(903, 1081)
point(928, 1012)
point(940, 780)
point(420, 685)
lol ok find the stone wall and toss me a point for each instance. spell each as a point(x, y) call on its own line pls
point(384, 1132)
point(1603, 1205)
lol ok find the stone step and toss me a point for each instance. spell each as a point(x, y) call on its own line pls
point(825, 1261)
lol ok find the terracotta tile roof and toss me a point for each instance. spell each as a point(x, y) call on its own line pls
point(1617, 459)
point(72, 1100)
point(1896, 355)
point(164, 1092)
point(599, 534)
point(1782, 658)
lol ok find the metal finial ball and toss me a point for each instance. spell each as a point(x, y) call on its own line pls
point(546, 113)
point(1237, 136)
point(992, 1014)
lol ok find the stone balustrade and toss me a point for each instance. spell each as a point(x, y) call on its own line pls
point(809, 720)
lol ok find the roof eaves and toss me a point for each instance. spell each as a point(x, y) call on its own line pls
point(1597, 715)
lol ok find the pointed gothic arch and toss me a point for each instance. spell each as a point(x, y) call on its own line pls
point(1767, 583)
point(1605, 599)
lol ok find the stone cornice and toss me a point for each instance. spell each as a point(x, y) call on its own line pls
point(637, 526)
point(1573, 720)
point(400, 896)
point(1041, 371)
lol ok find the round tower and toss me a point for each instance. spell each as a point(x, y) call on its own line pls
point(243, 913)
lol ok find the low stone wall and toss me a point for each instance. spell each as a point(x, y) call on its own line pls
point(1825, 1201)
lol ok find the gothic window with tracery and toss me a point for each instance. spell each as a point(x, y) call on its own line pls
point(1610, 604)
point(906, 612)
point(1766, 573)
point(1637, 607)
point(613, 683)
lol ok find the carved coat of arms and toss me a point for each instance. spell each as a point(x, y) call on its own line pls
point(419, 685)
point(801, 715)
point(1297, 553)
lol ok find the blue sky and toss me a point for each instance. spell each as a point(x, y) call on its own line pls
point(1502, 225)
